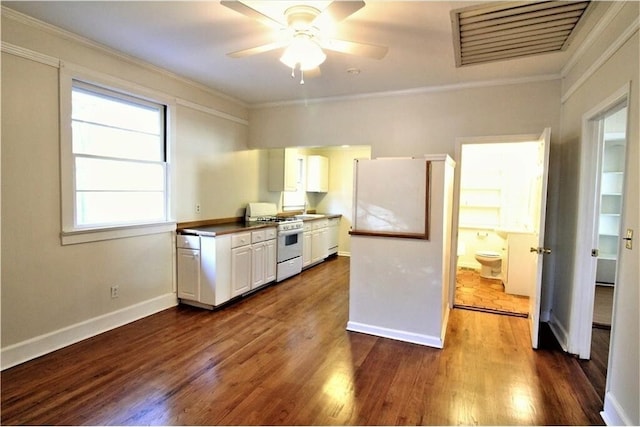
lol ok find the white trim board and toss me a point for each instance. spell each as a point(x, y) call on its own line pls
point(606, 55)
point(35, 347)
point(22, 52)
point(426, 340)
point(411, 92)
point(594, 33)
point(613, 414)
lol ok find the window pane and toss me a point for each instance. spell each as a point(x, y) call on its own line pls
point(101, 109)
point(95, 208)
point(118, 145)
point(116, 175)
point(101, 140)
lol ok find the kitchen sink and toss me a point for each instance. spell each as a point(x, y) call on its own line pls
point(309, 216)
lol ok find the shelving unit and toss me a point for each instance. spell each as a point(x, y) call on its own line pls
point(480, 207)
point(610, 207)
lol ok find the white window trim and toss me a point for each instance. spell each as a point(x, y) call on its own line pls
point(70, 234)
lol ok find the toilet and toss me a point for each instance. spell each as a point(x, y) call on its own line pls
point(490, 264)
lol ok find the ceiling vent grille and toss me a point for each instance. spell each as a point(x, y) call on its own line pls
point(504, 30)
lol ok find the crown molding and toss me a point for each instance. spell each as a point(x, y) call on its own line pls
point(411, 92)
point(606, 55)
point(592, 36)
point(211, 111)
point(57, 31)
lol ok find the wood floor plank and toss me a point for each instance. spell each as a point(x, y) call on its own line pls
point(283, 357)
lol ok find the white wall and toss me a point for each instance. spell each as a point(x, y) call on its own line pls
point(411, 124)
point(603, 69)
point(53, 295)
point(415, 124)
point(339, 199)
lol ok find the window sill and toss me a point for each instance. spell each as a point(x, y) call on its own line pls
point(97, 234)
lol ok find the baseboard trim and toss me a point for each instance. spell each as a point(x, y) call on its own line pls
point(559, 332)
point(613, 414)
point(35, 347)
point(426, 340)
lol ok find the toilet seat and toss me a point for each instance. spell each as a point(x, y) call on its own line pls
point(488, 254)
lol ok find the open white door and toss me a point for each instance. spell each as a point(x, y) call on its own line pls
point(537, 252)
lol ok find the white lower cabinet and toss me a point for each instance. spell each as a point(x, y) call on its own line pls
point(241, 267)
point(189, 274)
point(263, 269)
point(333, 231)
point(212, 270)
point(306, 245)
point(204, 270)
point(253, 260)
point(315, 242)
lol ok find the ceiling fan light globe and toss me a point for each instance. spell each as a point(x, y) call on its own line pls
point(303, 52)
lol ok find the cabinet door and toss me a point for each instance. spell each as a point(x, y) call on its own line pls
point(318, 247)
point(240, 270)
point(189, 274)
point(270, 261)
point(324, 242)
point(317, 174)
point(306, 248)
point(258, 265)
point(283, 169)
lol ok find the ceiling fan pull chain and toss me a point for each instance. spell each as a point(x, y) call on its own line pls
point(301, 76)
point(293, 72)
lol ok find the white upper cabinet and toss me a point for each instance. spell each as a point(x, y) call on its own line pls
point(317, 174)
point(283, 169)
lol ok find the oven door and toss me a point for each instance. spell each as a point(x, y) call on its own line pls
point(289, 244)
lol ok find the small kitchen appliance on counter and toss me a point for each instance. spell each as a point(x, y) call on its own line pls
point(289, 250)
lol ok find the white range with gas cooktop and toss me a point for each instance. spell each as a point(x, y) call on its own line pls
point(289, 237)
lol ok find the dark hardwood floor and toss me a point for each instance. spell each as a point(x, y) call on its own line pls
point(283, 357)
point(596, 368)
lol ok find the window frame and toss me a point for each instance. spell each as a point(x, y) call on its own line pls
point(71, 233)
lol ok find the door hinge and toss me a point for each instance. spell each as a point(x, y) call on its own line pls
point(541, 251)
point(595, 253)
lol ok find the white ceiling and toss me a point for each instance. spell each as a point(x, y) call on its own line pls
point(192, 38)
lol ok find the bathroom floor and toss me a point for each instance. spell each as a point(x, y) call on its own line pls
point(475, 292)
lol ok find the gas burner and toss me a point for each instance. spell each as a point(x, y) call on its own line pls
point(275, 219)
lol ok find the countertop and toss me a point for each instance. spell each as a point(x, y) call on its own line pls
point(220, 229)
point(235, 227)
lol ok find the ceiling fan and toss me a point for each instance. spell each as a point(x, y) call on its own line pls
point(305, 34)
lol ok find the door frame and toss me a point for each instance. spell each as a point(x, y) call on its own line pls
point(498, 139)
point(584, 264)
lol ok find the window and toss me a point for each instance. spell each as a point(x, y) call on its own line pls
point(119, 160)
point(115, 151)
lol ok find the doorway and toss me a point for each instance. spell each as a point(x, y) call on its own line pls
point(606, 135)
point(499, 209)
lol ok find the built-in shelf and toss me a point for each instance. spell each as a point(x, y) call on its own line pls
point(611, 183)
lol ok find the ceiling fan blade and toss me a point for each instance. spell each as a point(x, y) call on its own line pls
point(339, 10)
point(356, 48)
point(257, 49)
point(252, 13)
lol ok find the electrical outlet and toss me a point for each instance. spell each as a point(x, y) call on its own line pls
point(115, 291)
point(197, 208)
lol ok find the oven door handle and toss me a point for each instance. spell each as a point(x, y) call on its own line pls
point(290, 232)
